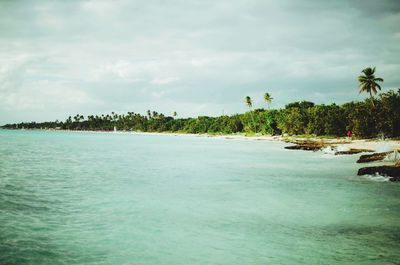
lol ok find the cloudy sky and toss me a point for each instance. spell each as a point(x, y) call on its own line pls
point(59, 58)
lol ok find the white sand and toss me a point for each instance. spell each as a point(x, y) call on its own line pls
point(339, 143)
point(377, 146)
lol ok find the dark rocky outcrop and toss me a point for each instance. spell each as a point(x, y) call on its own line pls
point(373, 157)
point(353, 151)
point(391, 171)
point(304, 147)
point(307, 145)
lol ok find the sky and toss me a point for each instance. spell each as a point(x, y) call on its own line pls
point(60, 58)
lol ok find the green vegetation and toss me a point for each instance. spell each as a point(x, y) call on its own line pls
point(373, 117)
point(297, 118)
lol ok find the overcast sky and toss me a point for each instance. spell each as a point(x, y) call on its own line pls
point(59, 58)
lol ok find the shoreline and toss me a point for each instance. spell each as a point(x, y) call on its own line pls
point(374, 145)
point(376, 150)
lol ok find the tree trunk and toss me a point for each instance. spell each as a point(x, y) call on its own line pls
point(254, 124)
point(372, 99)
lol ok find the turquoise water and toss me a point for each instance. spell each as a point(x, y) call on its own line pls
point(103, 198)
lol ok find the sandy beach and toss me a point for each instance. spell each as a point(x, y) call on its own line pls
point(337, 143)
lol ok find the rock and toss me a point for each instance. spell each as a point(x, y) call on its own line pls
point(304, 147)
point(372, 157)
point(307, 145)
point(353, 151)
point(391, 171)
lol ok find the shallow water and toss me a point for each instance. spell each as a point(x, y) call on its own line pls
point(104, 198)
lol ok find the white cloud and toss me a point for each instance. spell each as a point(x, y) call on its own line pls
point(45, 94)
point(200, 62)
point(122, 69)
point(164, 80)
point(196, 55)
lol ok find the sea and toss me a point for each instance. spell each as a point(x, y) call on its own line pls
point(127, 198)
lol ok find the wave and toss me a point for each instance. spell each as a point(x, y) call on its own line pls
point(328, 150)
point(392, 157)
point(342, 148)
point(382, 147)
point(375, 178)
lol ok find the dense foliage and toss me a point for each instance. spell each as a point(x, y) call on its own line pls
point(370, 118)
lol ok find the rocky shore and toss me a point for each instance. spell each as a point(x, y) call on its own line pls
point(317, 145)
point(391, 170)
point(373, 157)
point(307, 145)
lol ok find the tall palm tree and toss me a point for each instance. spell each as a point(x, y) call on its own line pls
point(175, 114)
point(249, 103)
point(268, 99)
point(368, 82)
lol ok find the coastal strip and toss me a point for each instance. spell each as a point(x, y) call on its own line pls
point(381, 150)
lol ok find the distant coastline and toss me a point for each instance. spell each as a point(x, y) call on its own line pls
point(372, 118)
point(305, 125)
point(366, 144)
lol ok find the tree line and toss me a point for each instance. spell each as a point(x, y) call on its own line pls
point(373, 117)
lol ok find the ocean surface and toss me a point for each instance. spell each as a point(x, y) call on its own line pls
point(110, 198)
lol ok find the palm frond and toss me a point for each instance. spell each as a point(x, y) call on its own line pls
point(368, 81)
point(248, 102)
point(362, 78)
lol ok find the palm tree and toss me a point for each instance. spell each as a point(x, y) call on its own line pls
point(77, 117)
point(368, 82)
point(155, 114)
point(175, 114)
point(249, 104)
point(268, 99)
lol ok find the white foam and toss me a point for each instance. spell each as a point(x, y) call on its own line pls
point(383, 147)
point(376, 178)
point(328, 150)
point(392, 157)
point(342, 148)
